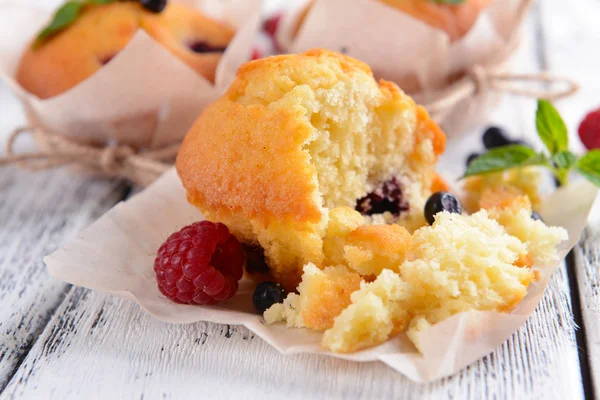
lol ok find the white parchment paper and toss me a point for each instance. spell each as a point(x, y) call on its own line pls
point(116, 255)
point(397, 46)
point(145, 96)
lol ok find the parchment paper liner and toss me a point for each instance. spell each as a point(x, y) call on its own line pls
point(115, 255)
point(145, 96)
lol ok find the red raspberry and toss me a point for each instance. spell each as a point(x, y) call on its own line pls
point(256, 54)
point(589, 130)
point(200, 264)
point(270, 26)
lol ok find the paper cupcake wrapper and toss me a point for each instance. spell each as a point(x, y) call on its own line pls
point(145, 96)
point(116, 255)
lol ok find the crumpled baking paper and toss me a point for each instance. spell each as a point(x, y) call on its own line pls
point(116, 255)
point(145, 97)
point(398, 46)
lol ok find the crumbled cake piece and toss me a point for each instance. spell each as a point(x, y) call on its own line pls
point(370, 249)
point(342, 221)
point(323, 296)
point(514, 213)
point(369, 320)
point(519, 180)
point(460, 263)
point(366, 249)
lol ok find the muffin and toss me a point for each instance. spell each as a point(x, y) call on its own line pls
point(54, 65)
point(296, 136)
point(454, 19)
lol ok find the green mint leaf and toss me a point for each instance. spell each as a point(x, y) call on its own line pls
point(589, 166)
point(63, 17)
point(503, 158)
point(551, 127)
point(564, 159)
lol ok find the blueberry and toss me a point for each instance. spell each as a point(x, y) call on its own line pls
point(536, 216)
point(556, 181)
point(471, 157)
point(266, 294)
point(154, 6)
point(386, 197)
point(441, 201)
point(495, 137)
point(204, 47)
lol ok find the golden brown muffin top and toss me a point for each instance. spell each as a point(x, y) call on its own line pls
point(101, 31)
point(245, 154)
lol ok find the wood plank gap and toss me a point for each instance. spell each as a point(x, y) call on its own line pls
point(126, 190)
point(580, 334)
point(29, 345)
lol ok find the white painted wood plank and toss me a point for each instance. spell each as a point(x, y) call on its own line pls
point(571, 35)
point(99, 346)
point(587, 257)
point(38, 213)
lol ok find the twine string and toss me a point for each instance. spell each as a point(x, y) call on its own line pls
point(141, 167)
point(480, 80)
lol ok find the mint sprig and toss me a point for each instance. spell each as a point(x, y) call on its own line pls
point(560, 161)
point(64, 17)
point(589, 166)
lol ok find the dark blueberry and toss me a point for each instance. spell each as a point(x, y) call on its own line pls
point(203, 47)
point(266, 294)
point(556, 181)
point(387, 197)
point(105, 60)
point(495, 137)
point(255, 259)
point(536, 216)
point(472, 157)
point(441, 201)
point(154, 6)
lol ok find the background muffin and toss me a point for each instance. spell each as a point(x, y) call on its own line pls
point(63, 60)
point(455, 19)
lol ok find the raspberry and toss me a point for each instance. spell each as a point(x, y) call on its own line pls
point(270, 25)
point(589, 130)
point(256, 54)
point(200, 264)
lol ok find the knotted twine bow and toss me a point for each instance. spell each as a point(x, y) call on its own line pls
point(143, 167)
point(480, 80)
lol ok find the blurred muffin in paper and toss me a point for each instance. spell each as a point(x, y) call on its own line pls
point(121, 72)
point(422, 45)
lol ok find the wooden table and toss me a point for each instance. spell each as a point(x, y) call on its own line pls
point(59, 341)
